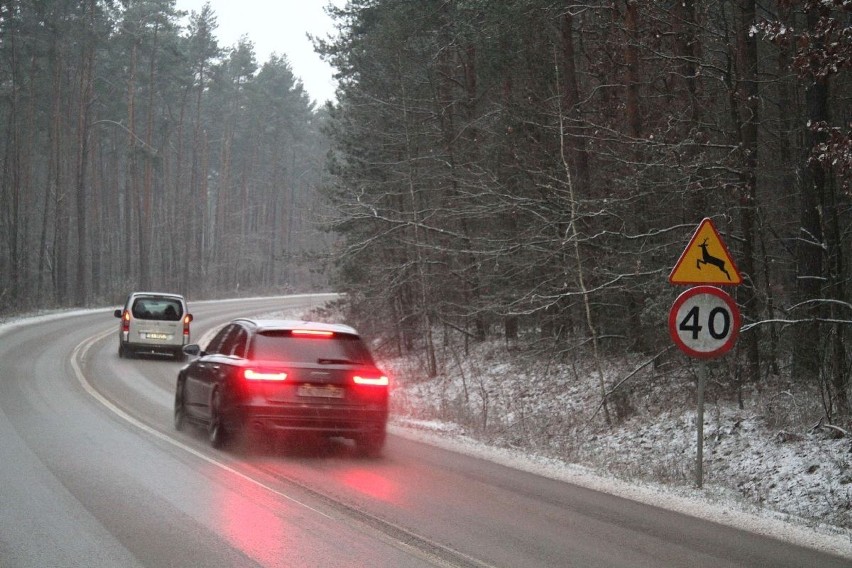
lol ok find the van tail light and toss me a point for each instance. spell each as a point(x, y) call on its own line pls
point(186, 319)
point(125, 322)
point(264, 375)
point(371, 380)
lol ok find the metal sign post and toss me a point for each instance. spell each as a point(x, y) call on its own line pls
point(699, 458)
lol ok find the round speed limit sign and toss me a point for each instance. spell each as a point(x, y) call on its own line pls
point(704, 322)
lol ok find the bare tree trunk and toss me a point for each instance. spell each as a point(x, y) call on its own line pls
point(132, 192)
point(688, 49)
point(571, 104)
point(11, 175)
point(422, 272)
point(635, 299)
point(193, 243)
point(59, 257)
point(820, 252)
point(749, 105)
point(572, 235)
point(83, 122)
point(30, 155)
point(46, 257)
point(146, 233)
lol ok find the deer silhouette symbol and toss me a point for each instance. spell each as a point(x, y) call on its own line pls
point(707, 258)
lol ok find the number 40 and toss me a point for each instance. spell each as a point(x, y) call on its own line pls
point(691, 322)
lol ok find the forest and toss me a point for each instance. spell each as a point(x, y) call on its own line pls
point(533, 169)
point(139, 154)
point(529, 170)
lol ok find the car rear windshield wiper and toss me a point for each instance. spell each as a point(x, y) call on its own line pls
point(335, 362)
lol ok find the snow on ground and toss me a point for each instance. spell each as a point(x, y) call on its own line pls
point(765, 469)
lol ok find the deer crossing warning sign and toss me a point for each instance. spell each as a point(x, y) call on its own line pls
point(706, 260)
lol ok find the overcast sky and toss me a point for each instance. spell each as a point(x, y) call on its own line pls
point(277, 26)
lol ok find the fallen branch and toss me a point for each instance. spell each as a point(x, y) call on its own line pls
point(843, 432)
point(838, 429)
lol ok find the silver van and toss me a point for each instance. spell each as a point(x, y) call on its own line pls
point(153, 323)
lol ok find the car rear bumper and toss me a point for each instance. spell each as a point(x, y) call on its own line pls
point(332, 420)
point(154, 348)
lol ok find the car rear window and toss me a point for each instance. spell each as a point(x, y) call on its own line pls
point(157, 309)
point(282, 346)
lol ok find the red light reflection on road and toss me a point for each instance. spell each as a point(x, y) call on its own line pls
point(250, 523)
point(371, 483)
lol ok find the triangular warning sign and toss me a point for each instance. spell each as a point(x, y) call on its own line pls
point(706, 260)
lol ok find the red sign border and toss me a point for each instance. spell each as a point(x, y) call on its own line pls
point(735, 312)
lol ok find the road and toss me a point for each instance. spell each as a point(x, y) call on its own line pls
point(93, 474)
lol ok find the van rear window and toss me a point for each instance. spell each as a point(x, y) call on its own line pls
point(157, 309)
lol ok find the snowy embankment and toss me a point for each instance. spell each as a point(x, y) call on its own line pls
point(766, 468)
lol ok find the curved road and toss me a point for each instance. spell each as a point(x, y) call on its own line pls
point(93, 474)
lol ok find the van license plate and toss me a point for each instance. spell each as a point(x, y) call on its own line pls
point(156, 336)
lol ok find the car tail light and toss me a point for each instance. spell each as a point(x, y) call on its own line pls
point(186, 319)
point(264, 375)
point(125, 321)
point(313, 333)
point(371, 380)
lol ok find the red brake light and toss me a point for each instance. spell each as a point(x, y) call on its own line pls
point(264, 375)
point(375, 381)
point(313, 332)
point(186, 319)
point(125, 321)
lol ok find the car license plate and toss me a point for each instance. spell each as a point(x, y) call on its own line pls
point(156, 336)
point(324, 391)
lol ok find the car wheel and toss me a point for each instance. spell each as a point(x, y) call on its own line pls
point(180, 356)
point(216, 428)
point(371, 445)
point(180, 407)
point(122, 352)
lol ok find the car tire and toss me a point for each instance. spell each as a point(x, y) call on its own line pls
point(216, 432)
point(180, 407)
point(122, 352)
point(180, 356)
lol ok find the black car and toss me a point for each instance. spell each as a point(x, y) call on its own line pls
point(277, 376)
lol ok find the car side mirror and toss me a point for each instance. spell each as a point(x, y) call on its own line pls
point(193, 350)
point(117, 313)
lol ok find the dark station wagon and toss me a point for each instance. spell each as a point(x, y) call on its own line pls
point(283, 376)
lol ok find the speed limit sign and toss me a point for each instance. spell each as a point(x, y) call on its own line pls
point(704, 322)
